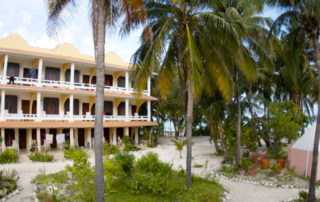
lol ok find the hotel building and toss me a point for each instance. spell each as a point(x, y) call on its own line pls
point(52, 91)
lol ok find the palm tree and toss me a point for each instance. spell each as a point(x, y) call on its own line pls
point(306, 13)
point(179, 145)
point(182, 32)
point(104, 13)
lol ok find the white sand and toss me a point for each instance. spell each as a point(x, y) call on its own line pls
point(202, 153)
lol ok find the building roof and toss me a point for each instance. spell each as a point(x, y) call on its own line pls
point(57, 124)
point(15, 43)
point(305, 142)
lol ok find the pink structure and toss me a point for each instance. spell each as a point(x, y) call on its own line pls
point(300, 153)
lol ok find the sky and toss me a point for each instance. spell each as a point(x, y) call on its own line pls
point(28, 18)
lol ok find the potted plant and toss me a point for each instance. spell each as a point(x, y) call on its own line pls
point(280, 159)
point(265, 163)
point(276, 167)
point(252, 170)
point(244, 165)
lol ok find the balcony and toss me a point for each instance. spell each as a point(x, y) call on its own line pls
point(74, 118)
point(67, 85)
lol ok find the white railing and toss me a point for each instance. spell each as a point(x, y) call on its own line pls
point(66, 84)
point(75, 118)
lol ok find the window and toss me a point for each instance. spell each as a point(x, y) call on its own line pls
point(108, 80)
point(52, 74)
point(11, 103)
point(75, 106)
point(76, 76)
point(121, 82)
point(13, 69)
point(108, 108)
point(51, 105)
point(121, 109)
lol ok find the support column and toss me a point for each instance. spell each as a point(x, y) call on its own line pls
point(38, 139)
point(72, 76)
point(39, 72)
point(29, 137)
point(88, 135)
point(71, 100)
point(71, 138)
point(149, 86)
point(3, 100)
point(149, 110)
point(126, 131)
point(16, 138)
point(76, 141)
point(136, 136)
point(38, 107)
point(127, 82)
point(127, 109)
point(5, 67)
point(3, 143)
point(114, 136)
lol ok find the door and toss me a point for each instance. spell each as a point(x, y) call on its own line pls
point(9, 137)
point(34, 107)
point(108, 79)
point(121, 82)
point(81, 137)
point(93, 109)
point(52, 74)
point(119, 133)
point(51, 105)
point(22, 139)
point(94, 80)
point(11, 103)
point(85, 108)
point(108, 108)
point(121, 109)
point(25, 106)
point(54, 133)
point(13, 69)
point(85, 79)
point(106, 134)
point(133, 110)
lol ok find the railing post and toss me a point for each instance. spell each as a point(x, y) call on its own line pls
point(127, 82)
point(3, 96)
point(71, 100)
point(149, 110)
point(5, 66)
point(39, 72)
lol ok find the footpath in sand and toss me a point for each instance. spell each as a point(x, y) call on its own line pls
point(202, 152)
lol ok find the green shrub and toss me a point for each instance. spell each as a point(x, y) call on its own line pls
point(9, 156)
point(126, 161)
point(152, 144)
point(40, 157)
point(113, 173)
point(303, 195)
point(126, 139)
point(33, 146)
point(128, 147)
point(245, 163)
point(151, 163)
point(68, 152)
point(109, 149)
point(8, 181)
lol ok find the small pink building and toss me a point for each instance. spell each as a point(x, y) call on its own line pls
point(300, 153)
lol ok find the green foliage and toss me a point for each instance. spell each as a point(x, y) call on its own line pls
point(109, 149)
point(68, 152)
point(114, 174)
point(245, 163)
point(151, 163)
point(128, 147)
point(179, 145)
point(249, 137)
point(82, 177)
point(9, 156)
point(126, 161)
point(126, 139)
point(40, 157)
point(152, 144)
point(33, 146)
point(8, 181)
point(303, 195)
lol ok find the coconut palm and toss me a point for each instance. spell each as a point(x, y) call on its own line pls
point(187, 39)
point(306, 13)
point(179, 145)
point(104, 13)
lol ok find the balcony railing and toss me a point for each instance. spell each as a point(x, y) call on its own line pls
point(75, 118)
point(67, 85)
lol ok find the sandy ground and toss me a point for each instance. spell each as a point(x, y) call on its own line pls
point(202, 155)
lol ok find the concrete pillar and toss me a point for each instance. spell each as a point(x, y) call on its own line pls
point(39, 72)
point(3, 143)
point(136, 136)
point(38, 107)
point(149, 110)
point(71, 138)
point(16, 137)
point(149, 86)
point(3, 100)
point(127, 109)
point(88, 139)
point(29, 137)
point(72, 76)
point(38, 139)
point(71, 101)
point(114, 136)
point(76, 141)
point(5, 67)
point(127, 81)
point(126, 131)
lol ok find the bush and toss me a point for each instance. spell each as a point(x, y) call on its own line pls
point(128, 147)
point(8, 181)
point(151, 163)
point(126, 161)
point(113, 173)
point(126, 139)
point(9, 156)
point(152, 144)
point(109, 149)
point(40, 157)
point(68, 152)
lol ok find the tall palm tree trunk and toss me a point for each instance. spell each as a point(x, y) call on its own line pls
point(189, 132)
point(311, 194)
point(98, 128)
point(238, 124)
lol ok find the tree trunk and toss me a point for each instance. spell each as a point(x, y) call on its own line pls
point(238, 125)
point(214, 139)
point(98, 129)
point(189, 133)
point(311, 193)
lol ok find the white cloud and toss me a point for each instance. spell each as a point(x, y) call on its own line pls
point(26, 17)
point(44, 42)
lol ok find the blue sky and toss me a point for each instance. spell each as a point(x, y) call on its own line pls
point(28, 19)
